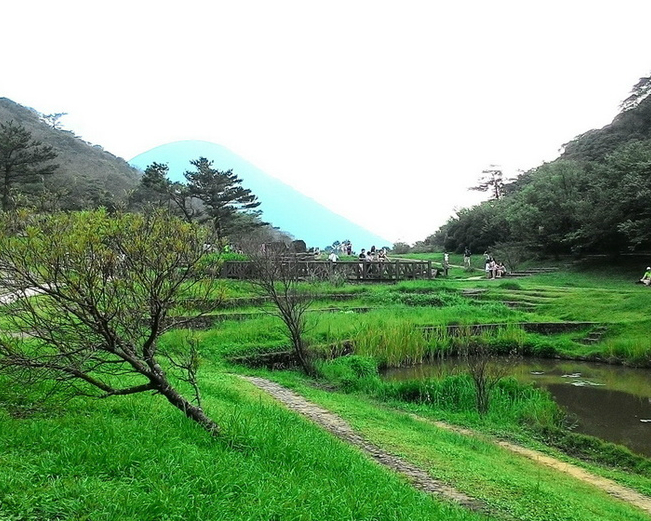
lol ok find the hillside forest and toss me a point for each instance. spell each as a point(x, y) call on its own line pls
point(45, 169)
point(595, 198)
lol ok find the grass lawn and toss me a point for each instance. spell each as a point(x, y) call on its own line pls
point(138, 458)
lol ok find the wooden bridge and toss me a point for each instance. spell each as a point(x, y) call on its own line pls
point(349, 270)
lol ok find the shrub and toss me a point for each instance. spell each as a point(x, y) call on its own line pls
point(351, 373)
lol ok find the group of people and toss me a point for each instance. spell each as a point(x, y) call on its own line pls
point(494, 269)
point(366, 256)
point(373, 254)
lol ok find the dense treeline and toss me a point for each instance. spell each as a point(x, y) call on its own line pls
point(594, 199)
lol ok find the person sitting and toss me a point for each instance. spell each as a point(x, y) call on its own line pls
point(646, 278)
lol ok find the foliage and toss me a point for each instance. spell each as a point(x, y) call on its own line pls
point(22, 160)
point(351, 373)
point(594, 199)
point(491, 181)
point(223, 196)
point(104, 288)
point(400, 247)
point(157, 191)
point(87, 177)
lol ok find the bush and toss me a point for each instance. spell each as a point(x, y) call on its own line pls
point(351, 373)
point(428, 299)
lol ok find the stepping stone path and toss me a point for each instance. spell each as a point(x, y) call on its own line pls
point(337, 426)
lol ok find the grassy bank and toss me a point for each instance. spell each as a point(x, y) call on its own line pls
point(137, 458)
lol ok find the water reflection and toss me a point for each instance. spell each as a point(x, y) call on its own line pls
point(611, 402)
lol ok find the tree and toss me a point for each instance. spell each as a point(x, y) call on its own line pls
point(222, 194)
point(278, 275)
point(157, 190)
point(486, 368)
point(620, 201)
point(54, 119)
point(104, 287)
point(22, 159)
point(400, 248)
point(491, 181)
point(639, 93)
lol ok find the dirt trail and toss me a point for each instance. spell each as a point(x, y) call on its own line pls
point(420, 478)
point(609, 486)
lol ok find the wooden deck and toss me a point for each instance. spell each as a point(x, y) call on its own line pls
point(349, 270)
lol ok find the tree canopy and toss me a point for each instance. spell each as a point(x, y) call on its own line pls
point(222, 194)
point(595, 198)
point(92, 294)
point(22, 160)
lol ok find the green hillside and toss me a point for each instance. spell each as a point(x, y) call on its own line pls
point(595, 198)
point(88, 175)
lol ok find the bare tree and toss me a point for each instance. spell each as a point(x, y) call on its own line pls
point(102, 289)
point(280, 276)
point(486, 368)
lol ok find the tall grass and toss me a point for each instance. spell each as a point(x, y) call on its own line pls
point(135, 459)
point(451, 393)
point(395, 344)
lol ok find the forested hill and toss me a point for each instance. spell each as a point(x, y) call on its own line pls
point(633, 124)
point(88, 176)
point(595, 198)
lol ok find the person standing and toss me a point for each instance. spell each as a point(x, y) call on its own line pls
point(466, 258)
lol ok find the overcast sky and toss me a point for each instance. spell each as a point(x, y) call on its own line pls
point(386, 112)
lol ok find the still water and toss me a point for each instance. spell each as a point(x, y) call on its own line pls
point(610, 402)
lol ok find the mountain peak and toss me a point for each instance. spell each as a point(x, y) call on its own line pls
point(281, 205)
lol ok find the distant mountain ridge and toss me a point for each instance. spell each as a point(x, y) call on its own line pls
point(281, 205)
point(88, 175)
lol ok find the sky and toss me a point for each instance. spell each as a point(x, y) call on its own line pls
point(385, 112)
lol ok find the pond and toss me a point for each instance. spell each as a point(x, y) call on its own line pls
point(607, 401)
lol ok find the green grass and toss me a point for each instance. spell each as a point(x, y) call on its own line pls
point(137, 458)
point(511, 484)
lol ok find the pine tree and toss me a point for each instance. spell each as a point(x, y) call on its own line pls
point(223, 196)
point(22, 159)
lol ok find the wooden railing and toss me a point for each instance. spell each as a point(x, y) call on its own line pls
point(349, 270)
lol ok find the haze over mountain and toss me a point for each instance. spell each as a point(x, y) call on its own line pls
point(281, 205)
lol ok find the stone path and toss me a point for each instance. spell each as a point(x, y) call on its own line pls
point(417, 476)
point(337, 426)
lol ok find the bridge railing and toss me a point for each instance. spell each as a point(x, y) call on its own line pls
point(349, 270)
